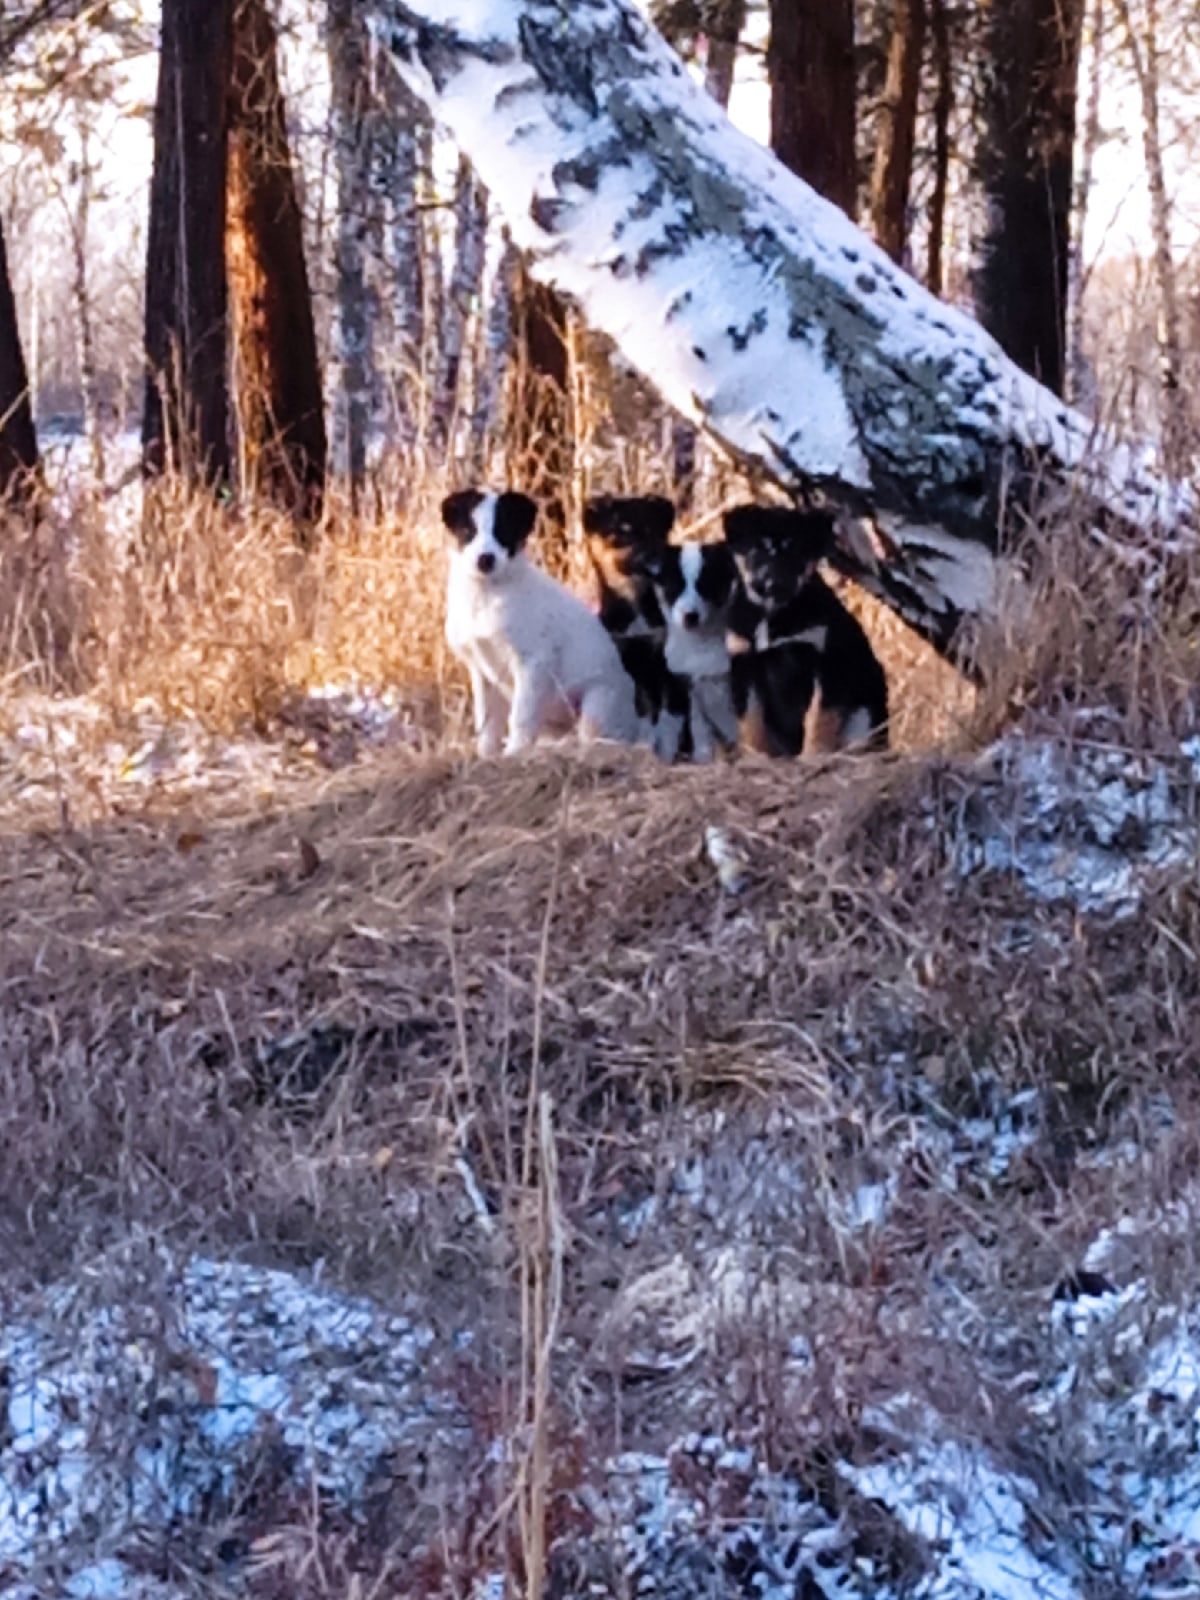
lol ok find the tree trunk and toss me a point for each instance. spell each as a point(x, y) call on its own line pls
point(354, 138)
point(18, 437)
point(723, 23)
point(1023, 161)
point(754, 307)
point(495, 345)
point(89, 378)
point(810, 66)
point(400, 163)
point(466, 283)
point(280, 405)
point(540, 436)
point(1078, 383)
point(892, 175)
point(186, 418)
point(1170, 342)
point(943, 109)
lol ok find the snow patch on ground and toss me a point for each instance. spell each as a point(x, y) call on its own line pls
point(1081, 821)
point(121, 1417)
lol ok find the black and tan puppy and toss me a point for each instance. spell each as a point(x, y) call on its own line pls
point(792, 638)
point(626, 540)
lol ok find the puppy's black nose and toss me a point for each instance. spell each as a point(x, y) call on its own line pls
point(486, 562)
point(690, 619)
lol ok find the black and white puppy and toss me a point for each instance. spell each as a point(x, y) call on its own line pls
point(539, 660)
point(626, 537)
point(792, 637)
point(695, 584)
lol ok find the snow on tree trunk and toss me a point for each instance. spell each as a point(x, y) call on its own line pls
point(18, 438)
point(466, 282)
point(753, 306)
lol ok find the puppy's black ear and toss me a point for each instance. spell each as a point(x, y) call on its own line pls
point(597, 514)
point(458, 510)
point(658, 516)
point(724, 569)
point(516, 515)
point(815, 534)
point(743, 524)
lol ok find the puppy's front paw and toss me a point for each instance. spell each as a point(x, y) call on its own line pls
point(488, 743)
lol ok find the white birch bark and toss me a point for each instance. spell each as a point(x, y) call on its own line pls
point(1144, 55)
point(491, 368)
point(1080, 384)
point(462, 301)
point(354, 134)
point(399, 159)
point(756, 308)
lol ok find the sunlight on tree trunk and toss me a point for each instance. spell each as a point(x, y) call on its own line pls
point(891, 179)
point(280, 406)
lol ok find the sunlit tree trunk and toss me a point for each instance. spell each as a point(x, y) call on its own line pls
point(280, 405)
point(186, 417)
point(891, 178)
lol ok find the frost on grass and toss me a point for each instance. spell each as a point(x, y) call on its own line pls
point(755, 307)
point(126, 1417)
point(1083, 820)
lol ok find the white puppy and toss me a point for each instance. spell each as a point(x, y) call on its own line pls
point(538, 658)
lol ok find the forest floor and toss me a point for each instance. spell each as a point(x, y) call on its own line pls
point(569, 1176)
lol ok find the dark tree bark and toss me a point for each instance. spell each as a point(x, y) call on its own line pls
point(810, 65)
point(186, 418)
point(18, 437)
point(723, 23)
point(540, 432)
point(279, 401)
point(1024, 166)
point(943, 108)
point(892, 175)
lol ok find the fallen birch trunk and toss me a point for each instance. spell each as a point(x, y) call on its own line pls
point(755, 307)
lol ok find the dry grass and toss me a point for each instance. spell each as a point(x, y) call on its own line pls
point(444, 1024)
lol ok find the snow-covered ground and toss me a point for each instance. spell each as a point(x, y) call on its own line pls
point(124, 1423)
